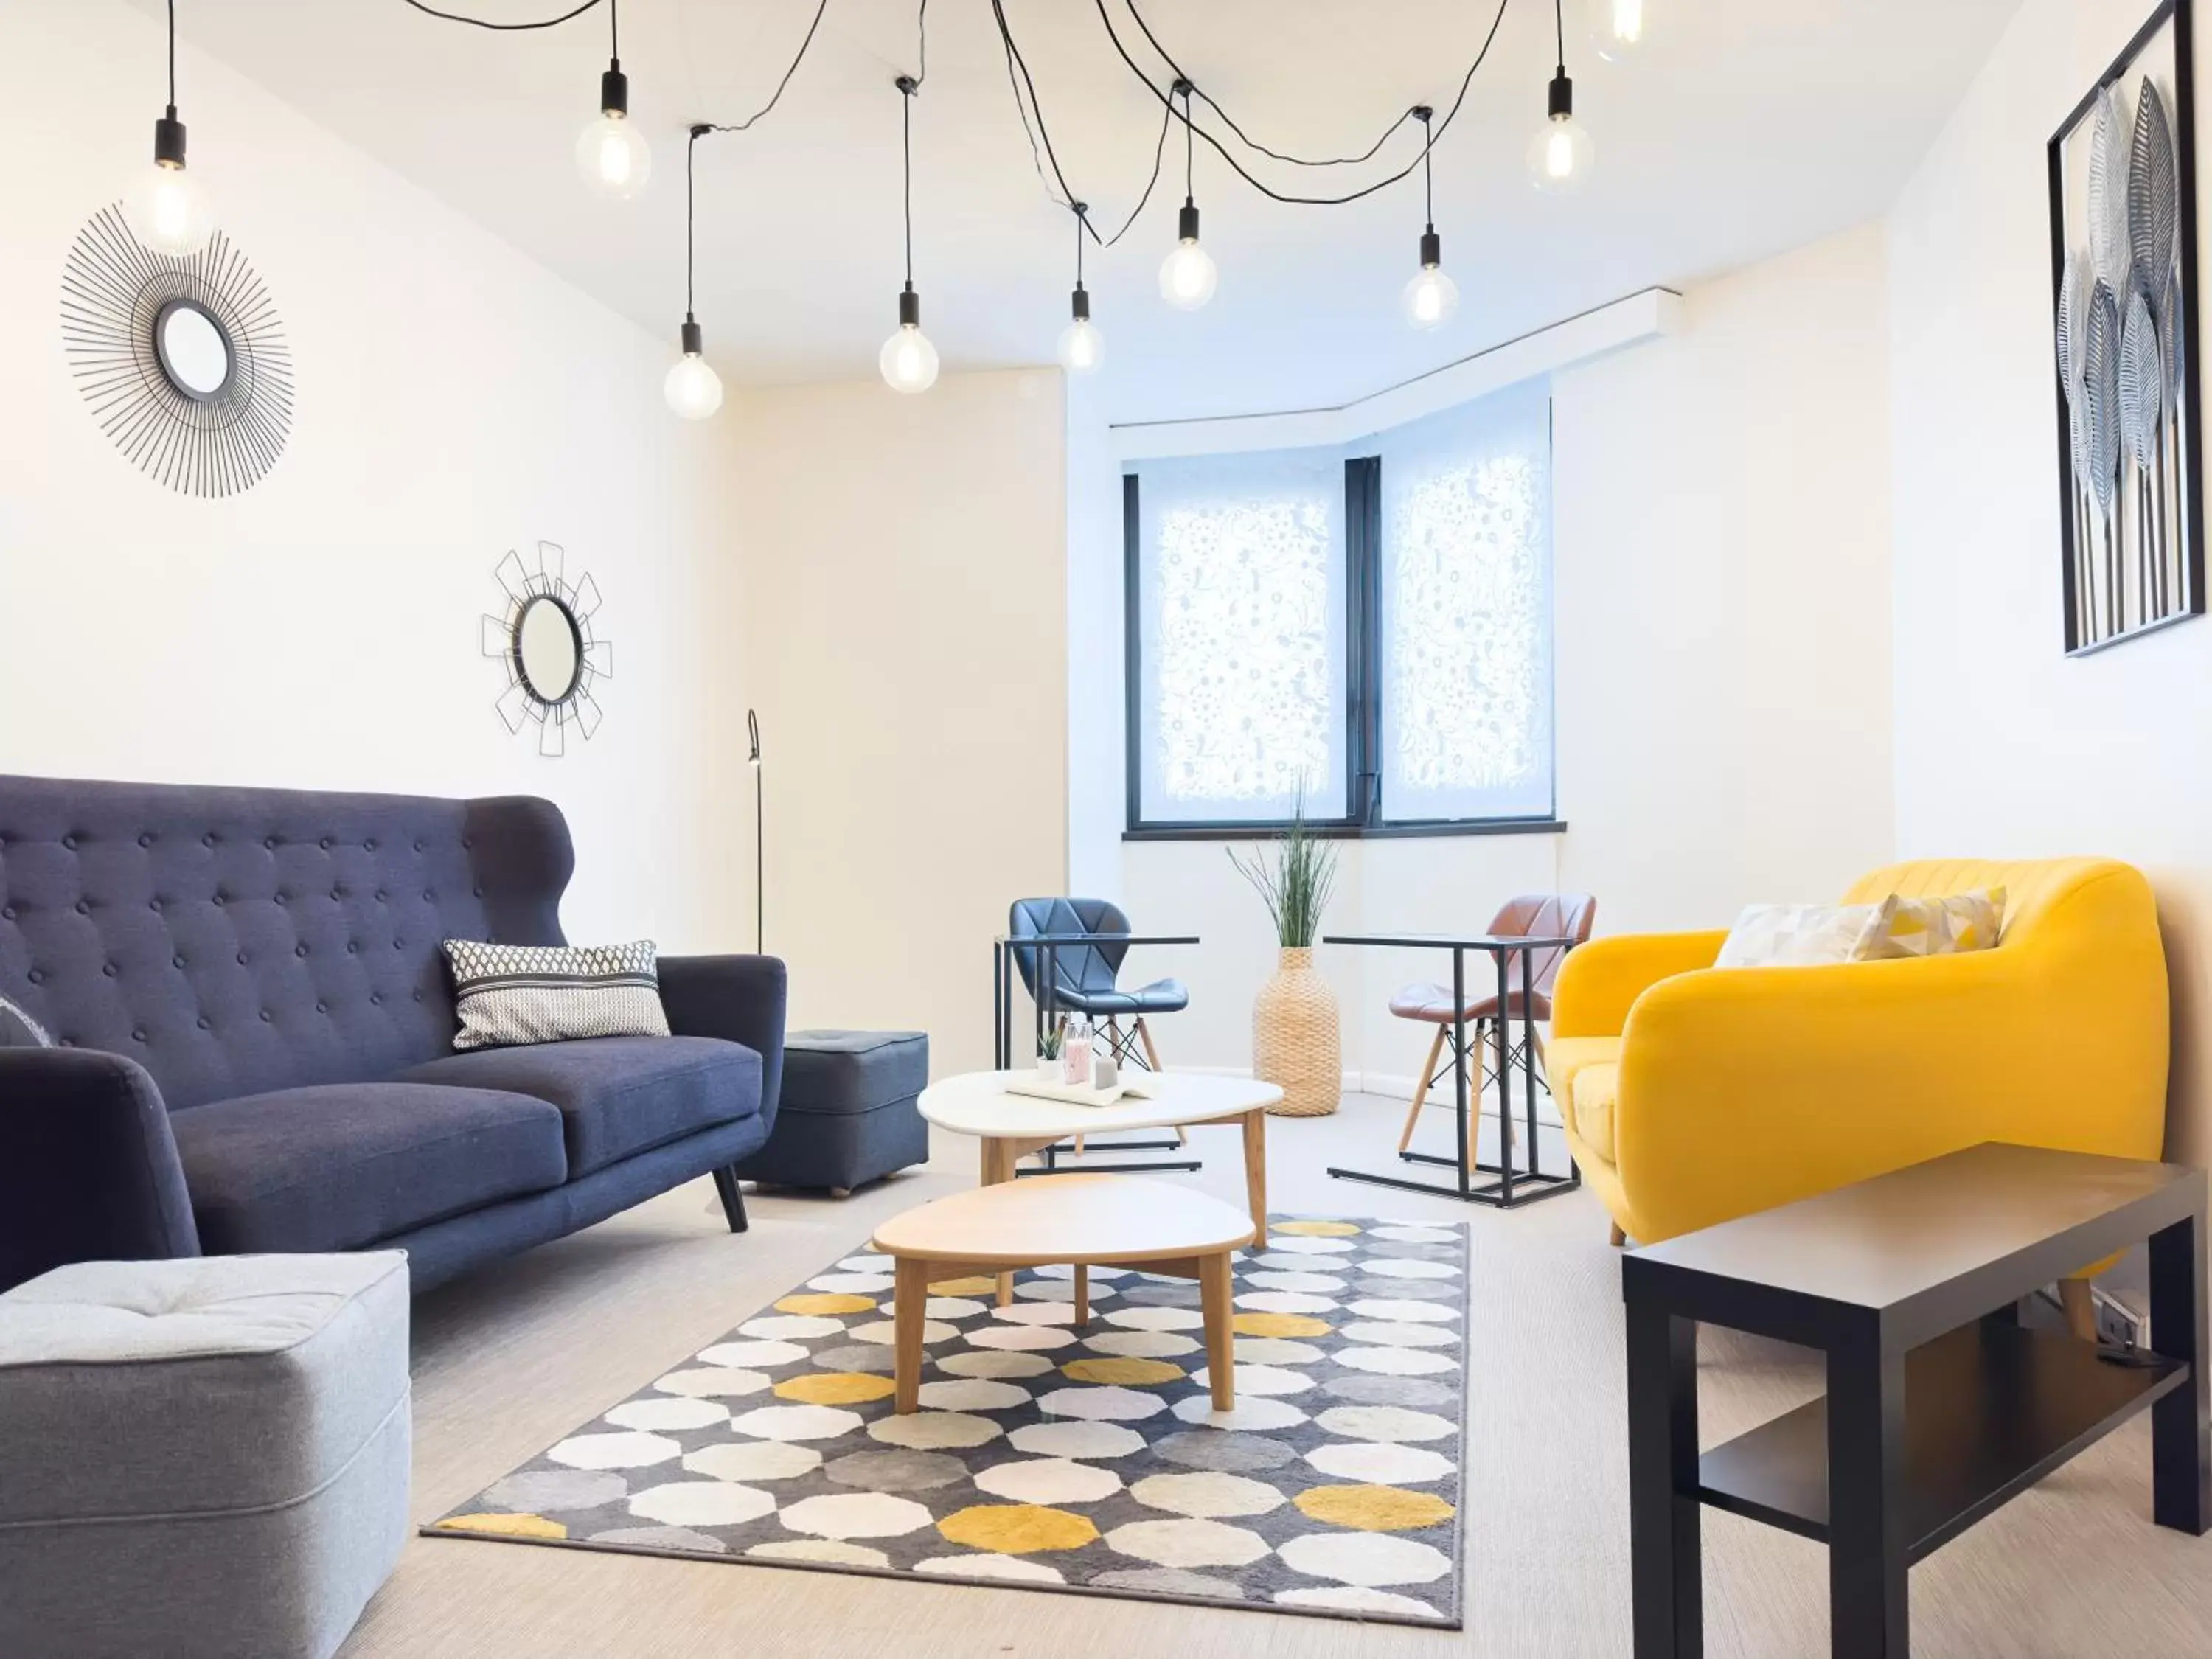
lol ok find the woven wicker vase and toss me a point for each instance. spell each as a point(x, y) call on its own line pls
point(1294, 1038)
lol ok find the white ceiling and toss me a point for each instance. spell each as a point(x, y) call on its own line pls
point(1748, 126)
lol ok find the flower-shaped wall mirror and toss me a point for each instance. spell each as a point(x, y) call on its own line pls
point(545, 639)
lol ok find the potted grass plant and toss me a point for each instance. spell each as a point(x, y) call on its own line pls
point(1296, 1040)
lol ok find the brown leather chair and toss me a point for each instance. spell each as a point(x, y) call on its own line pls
point(1537, 916)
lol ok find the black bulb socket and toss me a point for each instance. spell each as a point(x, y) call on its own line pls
point(1081, 306)
point(1563, 95)
point(910, 309)
point(1187, 222)
point(614, 90)
point(694, 337)
point(1432, 250)
point(169, 141)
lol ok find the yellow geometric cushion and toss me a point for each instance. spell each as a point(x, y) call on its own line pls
point(1940, 927)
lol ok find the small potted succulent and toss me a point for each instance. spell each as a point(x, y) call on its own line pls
point(1047, 1060)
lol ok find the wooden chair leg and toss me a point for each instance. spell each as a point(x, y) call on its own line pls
point(1620, 1237)
point(2080, 1307)
point(1214, 1292)
point(1421, 1092)
point(1144, 1037)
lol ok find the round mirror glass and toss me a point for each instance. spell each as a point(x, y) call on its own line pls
point(195, 354)
point(547, 642)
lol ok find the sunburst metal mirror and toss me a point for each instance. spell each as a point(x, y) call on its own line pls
point(545, 639)
point(182, 360)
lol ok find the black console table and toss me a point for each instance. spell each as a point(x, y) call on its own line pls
point(1940, 1407)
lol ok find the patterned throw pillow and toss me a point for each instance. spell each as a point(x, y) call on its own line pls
point(1803, 935)
point(513, 993)
point(19, 1030)
point(1942, 926)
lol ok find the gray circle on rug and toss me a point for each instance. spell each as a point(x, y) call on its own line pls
point(1170, 1581)
point(856, 1356)
point(1224, 1451)
point(556, 1489)
point(1367, 1390)
point(663, 1538)
point(895, 1471)
point(1163, 1296)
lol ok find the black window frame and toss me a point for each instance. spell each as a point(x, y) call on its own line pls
point(1363, 624)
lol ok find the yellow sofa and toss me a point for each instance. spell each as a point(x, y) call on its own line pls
point(1691, 1094)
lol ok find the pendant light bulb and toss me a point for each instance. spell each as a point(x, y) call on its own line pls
point(1430, 296)
point(1188, 277)
point(1617, 27)
point(1560, 155)
point(692, 388)
point(164, 205)
point(907, 360)
point(611, 153)
point(1082, 347)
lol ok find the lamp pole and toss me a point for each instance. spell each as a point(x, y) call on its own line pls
point(760, 862)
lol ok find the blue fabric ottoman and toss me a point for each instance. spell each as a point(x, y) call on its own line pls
point(848, 1115)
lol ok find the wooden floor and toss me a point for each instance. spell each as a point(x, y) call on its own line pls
point(512, 1358)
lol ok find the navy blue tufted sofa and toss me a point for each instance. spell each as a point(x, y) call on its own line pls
point(254, 1029)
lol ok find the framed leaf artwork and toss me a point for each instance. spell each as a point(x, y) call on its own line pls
point(2124, 309)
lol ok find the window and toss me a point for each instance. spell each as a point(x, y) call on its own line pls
point(1369, 627)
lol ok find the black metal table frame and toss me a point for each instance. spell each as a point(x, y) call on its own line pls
point(1533, 1183)
point(1048, 980)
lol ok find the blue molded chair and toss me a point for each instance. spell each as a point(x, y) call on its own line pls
point(1083, 976)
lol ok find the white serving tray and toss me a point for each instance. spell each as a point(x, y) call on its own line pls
point(1129, 1088)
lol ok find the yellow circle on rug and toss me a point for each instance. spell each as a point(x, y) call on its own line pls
point(505, 1526)
point(1373, 1509)
point(977, 1284)
point(1127, 1372)
point(1314, 1228)
point(836, 1388)
point(1263, 1324)
point(826, 1302)
point(1017, 1529)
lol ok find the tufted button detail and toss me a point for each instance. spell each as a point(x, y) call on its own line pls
point(468, 842)
point(281, 901)
point(353, 948)
point(207, 840)
point(264, 1015)
point(322, 1008)
point(399, 945)
point(220, 901)
point(155, 905)
point(418, 996)
point(379, 895)
point(241, 958)
point(324, 843)
point(137, 1034)
point(376, 998)
point(201, 1022)
point(7, 913)
point(37, 976)
point(298, 950)
point(337, 894)
point(69, 842)
point(479, 892)
point(108, 969)
point(145, 840)
point(428, 897)
point(368, 846)
point(83, 908)
point(177, 961)
point(268, 842)
point(418, 843)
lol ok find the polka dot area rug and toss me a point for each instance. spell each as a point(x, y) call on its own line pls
point(1053, 1457)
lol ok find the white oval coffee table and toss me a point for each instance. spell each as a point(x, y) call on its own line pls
point(1011, 1126)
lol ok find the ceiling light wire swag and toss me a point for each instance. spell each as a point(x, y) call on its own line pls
point(165, 207)
point(909, 361)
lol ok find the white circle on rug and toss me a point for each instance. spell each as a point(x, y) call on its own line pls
point(934, 1431)
point(952, 1307)
point(783, 1326)
point(1021, 1337)
point(675, 1412)
point(630, 1451)
point(1299, 1245)
point(866, 1263)
point(829, 1551)
point(1385, 1334)
point(1157, 1319)
point(1207, 1494)
point(1048, 1481)
point(1257, 1381)
point(700, 1503)
point(1411, 1235)
point(753, 1460)
point(1105, 1403)
point(1062, 1270)
point(1380, 1463)
point(1289, 1302)
point(973, 1394)
point(846, 1514)
point(1260, 1414)
point(1276, 1281)
point(796, 1422)
point(1035, 1313)
point(995, 1362)
point(1274, 1351)
point(1142, 1344)
point(851, 1284)
point(713, 1382)
point(1332, 1264)
point(1077, 1440)
point(1395, 1361)
point(1416, 1312)
point(1392, 1267)
point(1188, 1542)
point(1356, 1599)
point(770, 1354)
point(1384, 1423)
point(1370, 1558)
point(980, 1566)
point(883, 1331)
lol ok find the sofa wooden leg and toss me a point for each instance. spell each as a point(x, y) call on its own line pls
point(2081, 1306)
point(1620, 1238)
point(732, 1197)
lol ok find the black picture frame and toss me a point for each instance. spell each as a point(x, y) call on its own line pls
point(2101, 608)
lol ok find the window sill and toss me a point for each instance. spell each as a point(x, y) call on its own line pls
point(1348, 831)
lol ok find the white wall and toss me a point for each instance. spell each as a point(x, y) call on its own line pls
point(906, 628)
point(1721, 527)
point(2005, 749)
point(454, 400)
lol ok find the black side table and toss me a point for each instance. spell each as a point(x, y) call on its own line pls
point(1940, 1407)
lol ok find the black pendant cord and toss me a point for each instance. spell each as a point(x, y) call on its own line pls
point(1188, 148)
point(907, 87)
point(1559, 21)
point(1082, 211)
point(506, 28)
point(1032, 113)
point(1422, 113)
point(173, 59)
point(691, 198)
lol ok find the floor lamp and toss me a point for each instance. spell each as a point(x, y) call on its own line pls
point(760, 863)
